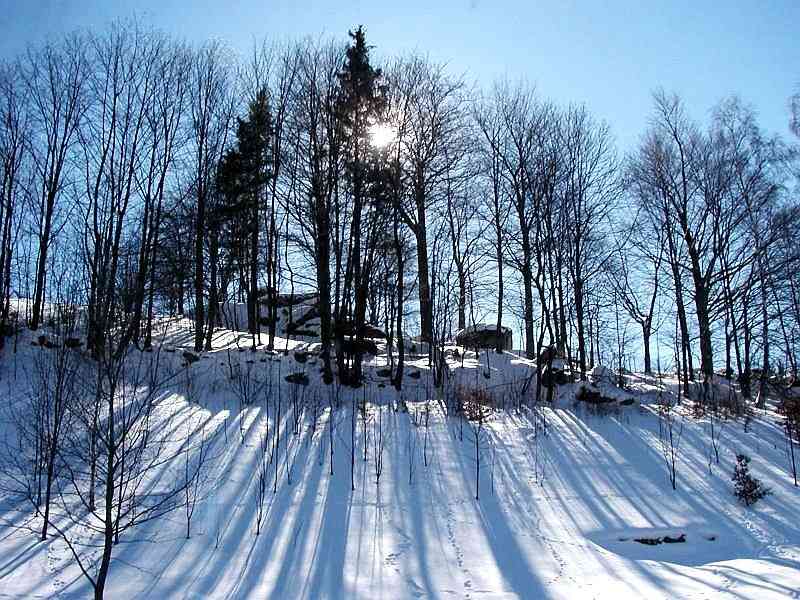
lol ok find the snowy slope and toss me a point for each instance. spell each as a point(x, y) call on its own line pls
point(563, 492)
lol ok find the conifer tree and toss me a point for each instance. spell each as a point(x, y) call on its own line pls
point(360, 104)
point(242, 178)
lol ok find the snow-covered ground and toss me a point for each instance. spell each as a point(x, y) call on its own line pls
point(563, 493)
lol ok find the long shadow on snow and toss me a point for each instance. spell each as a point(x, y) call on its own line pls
point(509, 555)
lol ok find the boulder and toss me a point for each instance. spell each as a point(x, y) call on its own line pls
point(353, 346)
point(73, 343)
point(648, 541)
point(299, 378)
point(553, 367)
point(601, 374)
point(548, 354)
point(484, 335)
point(553, 375)
point(368, 331)
point(288, 299)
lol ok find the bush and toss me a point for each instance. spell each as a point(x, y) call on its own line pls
point(747, 488)
point(475, 403)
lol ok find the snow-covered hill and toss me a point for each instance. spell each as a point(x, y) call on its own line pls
point(563, 493)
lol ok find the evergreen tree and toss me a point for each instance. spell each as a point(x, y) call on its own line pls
point(747, 488)
point(360, 103)
point(242, 177)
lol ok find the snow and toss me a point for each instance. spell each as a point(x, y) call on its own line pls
point(601, 374)
point(556, 518)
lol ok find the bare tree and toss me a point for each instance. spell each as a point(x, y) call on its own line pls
point(590, 188)
point(15, 139)
point(432, 149)
point(211, 108)
point(55, 79)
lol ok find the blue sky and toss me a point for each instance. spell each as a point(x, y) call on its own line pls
point(610, 55)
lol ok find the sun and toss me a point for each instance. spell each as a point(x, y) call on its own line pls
point(381, 135)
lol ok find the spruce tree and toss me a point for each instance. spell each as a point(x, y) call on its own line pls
point(359, 105)
point(747, 488)
point(242, 177)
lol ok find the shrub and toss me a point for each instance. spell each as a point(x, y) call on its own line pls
point(747, 488)
point(476, 403)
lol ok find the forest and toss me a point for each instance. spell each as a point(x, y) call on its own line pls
point(147, 180)
point(144, 176)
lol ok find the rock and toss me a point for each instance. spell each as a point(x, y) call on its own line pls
point(592, 395)
point(352, 346)
point(483, 335)
point(190, 357)
point(553, 367)
point(552, 376)
point(289, 299)
point(648, 541)
point(299, 378)
point(548, 354)
point(601, 374)
point(300, 332)
point(368, 331)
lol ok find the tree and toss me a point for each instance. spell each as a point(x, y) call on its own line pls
point(112, 138)
point(211, 111)
point(684, 182)
point(15, 139)
point(433, 150)
point(516, 127)
point(359, 103)
point(630, 281)
point(590, 187)
point(315, 166)
point(36, 463)
point(55, 79)
point(746, 488)
point(497, 206)
point(242, 178)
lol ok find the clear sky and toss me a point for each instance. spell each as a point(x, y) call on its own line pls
point(610, 55)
